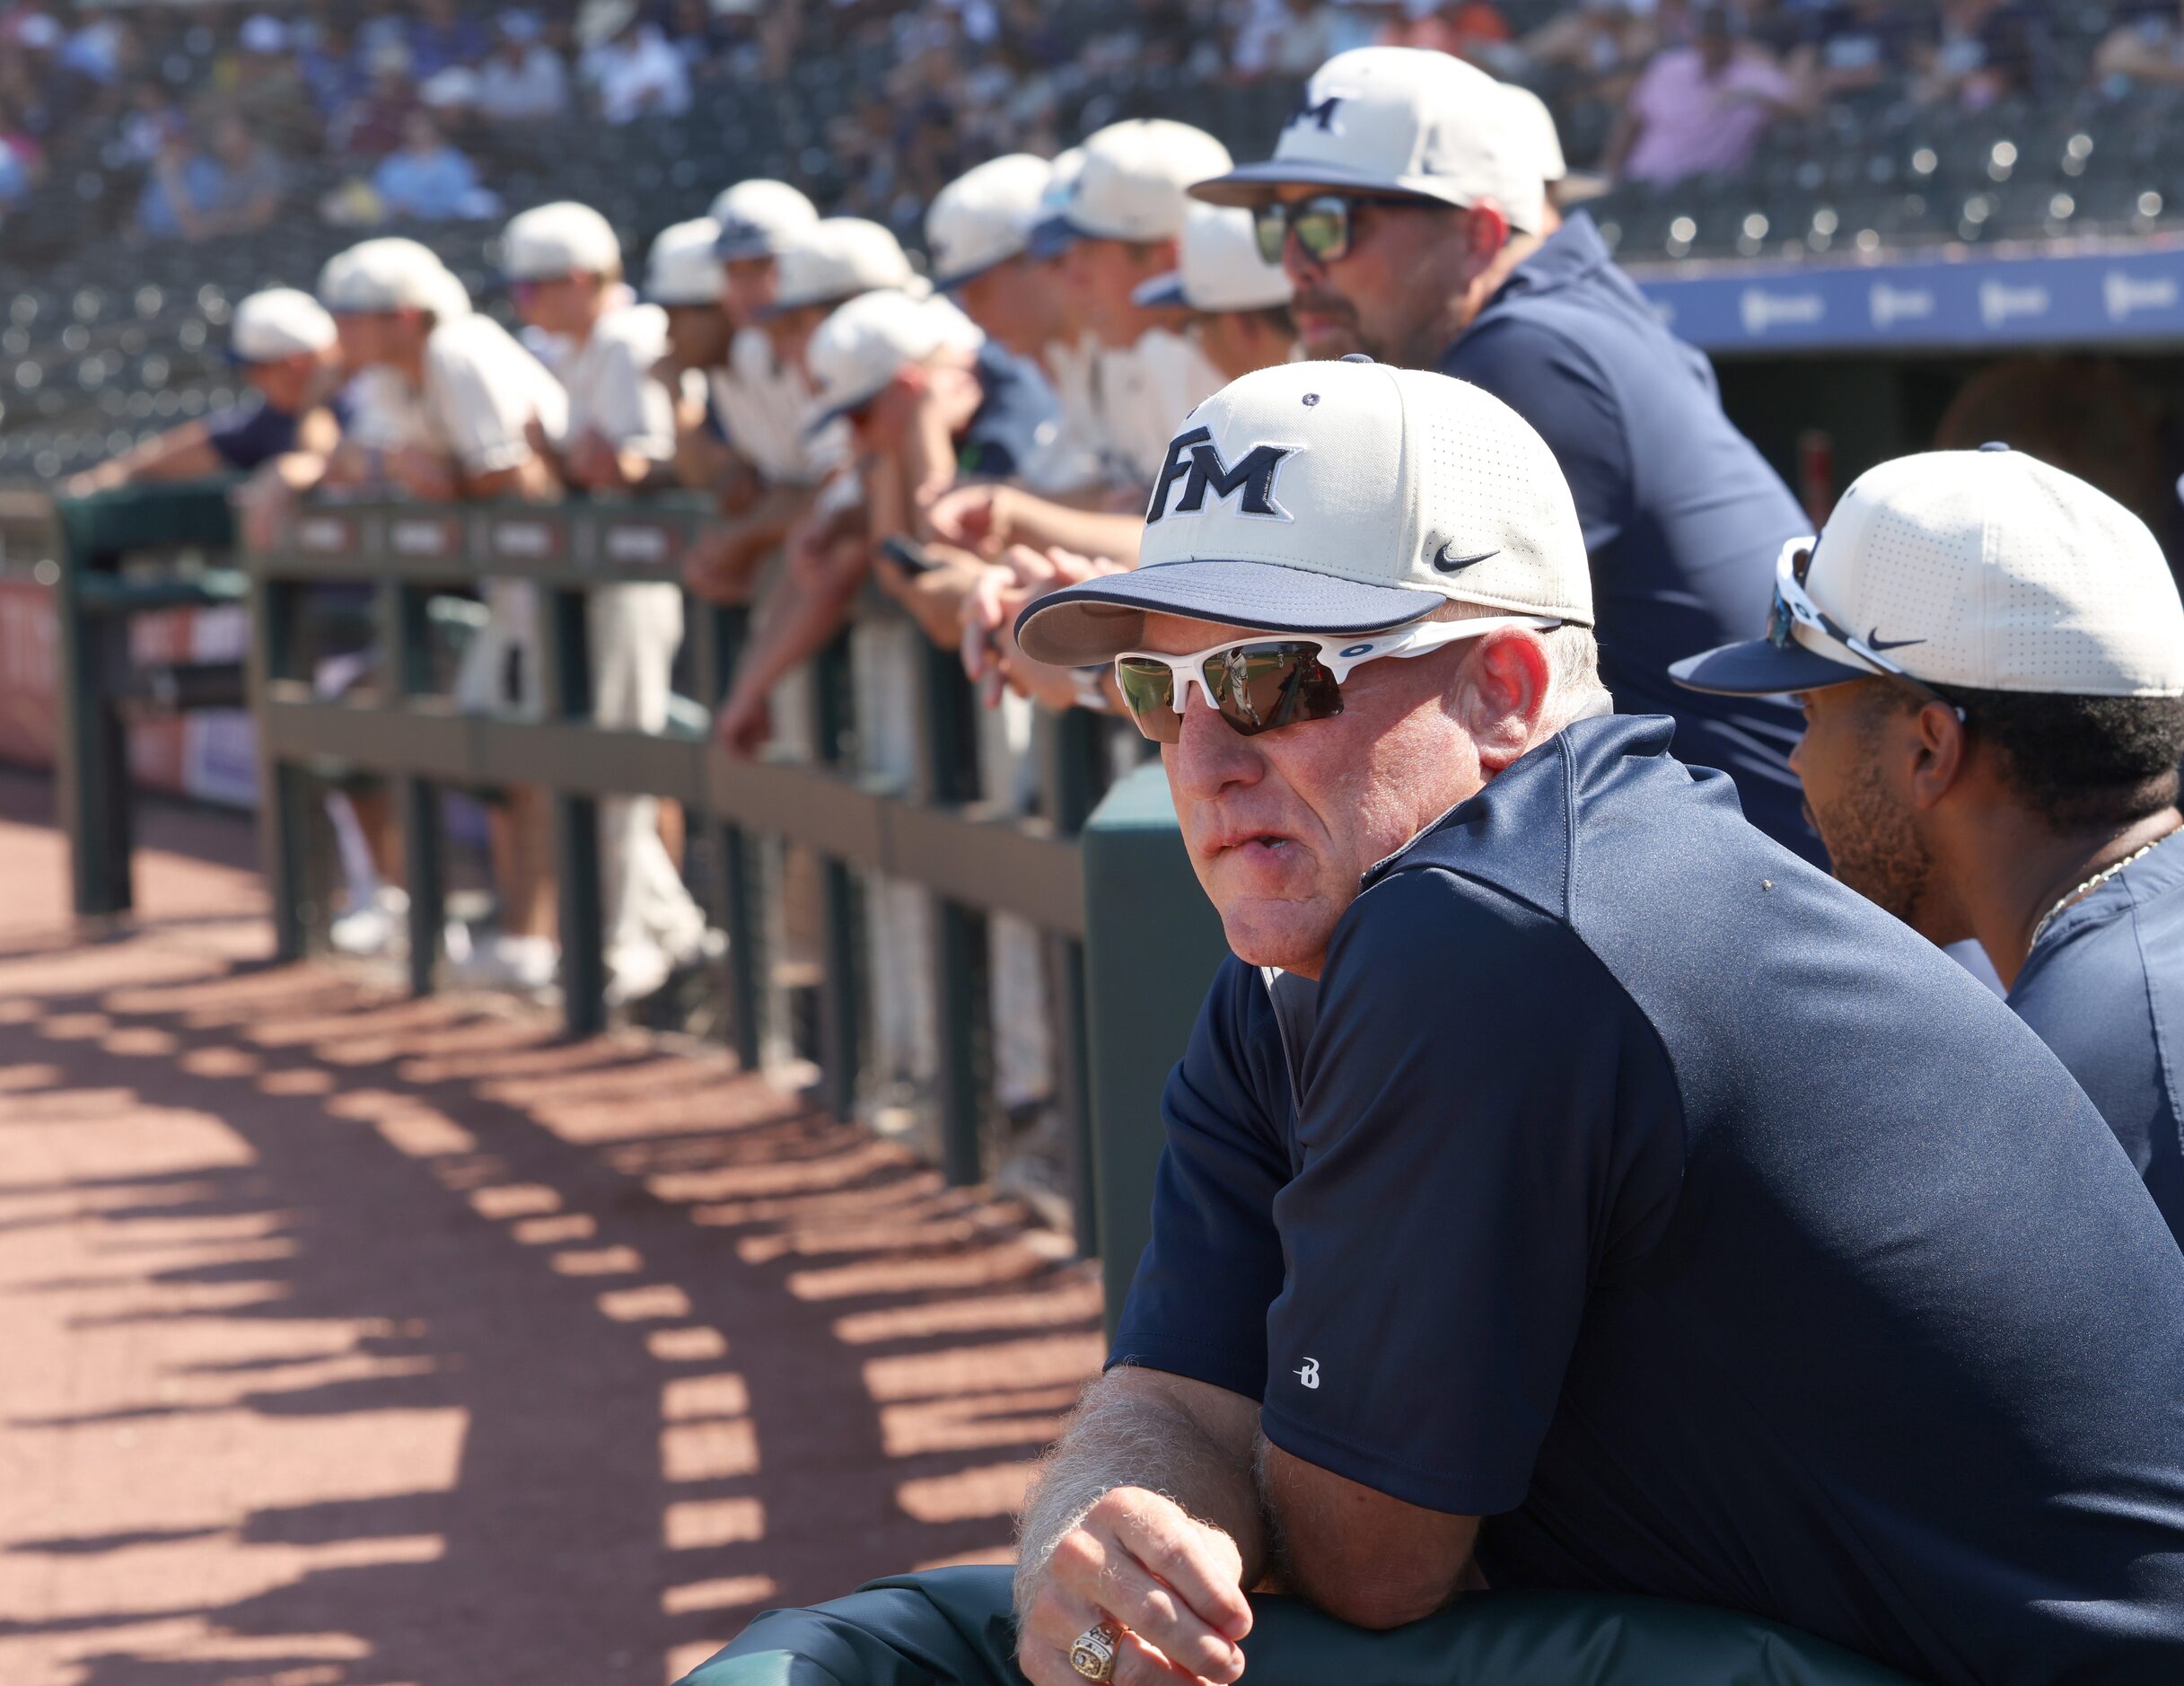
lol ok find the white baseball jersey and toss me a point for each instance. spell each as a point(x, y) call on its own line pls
point(761, 407)
point(611, 385)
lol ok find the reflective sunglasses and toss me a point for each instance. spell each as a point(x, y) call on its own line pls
point(1267, 683)
point(1321, 224)
point(1793, 606)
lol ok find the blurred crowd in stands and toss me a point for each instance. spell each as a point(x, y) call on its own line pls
point(224, 119)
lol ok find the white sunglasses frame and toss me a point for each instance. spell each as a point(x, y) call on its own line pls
point(1340, 656)
point(1791, 593)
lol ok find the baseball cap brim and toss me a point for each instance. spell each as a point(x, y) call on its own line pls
point(1758, 668)
point(1093, 622)
point(1252, 184)
point(1163, 289)
point(963, 278)
point(1051, 236)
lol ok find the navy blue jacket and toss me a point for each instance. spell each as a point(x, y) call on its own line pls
point(1632, 1184)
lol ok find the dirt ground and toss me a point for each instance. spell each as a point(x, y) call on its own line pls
point(349, 1341)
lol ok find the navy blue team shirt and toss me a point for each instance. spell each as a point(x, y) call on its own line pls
point(1628, 1183)
point(2105, 990)
point(251, 434)
point(1682, 516)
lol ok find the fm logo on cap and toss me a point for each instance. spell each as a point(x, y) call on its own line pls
point(1196, 460)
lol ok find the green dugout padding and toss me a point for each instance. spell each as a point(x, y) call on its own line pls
point(1151, 944)
point(953, 1625)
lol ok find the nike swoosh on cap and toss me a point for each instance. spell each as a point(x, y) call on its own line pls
point(1876, 643)
point(1446, 564)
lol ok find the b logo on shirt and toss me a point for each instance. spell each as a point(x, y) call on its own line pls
point(1310, 1373)
point(1195, 460)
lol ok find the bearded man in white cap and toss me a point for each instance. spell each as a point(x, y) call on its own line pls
point(1567, 1188)
point(565, 268)
point(1990, 657)
point(288, 351)
point(1407, 197)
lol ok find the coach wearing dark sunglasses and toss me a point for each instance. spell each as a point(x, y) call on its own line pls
point(1405, 197)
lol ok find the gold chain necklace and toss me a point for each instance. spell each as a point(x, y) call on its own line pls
point(2094, 882)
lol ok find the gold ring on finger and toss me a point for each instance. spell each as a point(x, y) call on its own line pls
point(1093, 1654)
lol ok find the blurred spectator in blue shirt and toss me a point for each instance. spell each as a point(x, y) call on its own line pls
point(440, 37)
point(429, 178)
point(524, 80)
point(199, 193)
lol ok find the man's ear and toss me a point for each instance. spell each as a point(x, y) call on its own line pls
point(1501, 696)
point(1486, 231)
point(1941, 753)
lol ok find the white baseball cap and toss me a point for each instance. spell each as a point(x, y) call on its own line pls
point(1401, 119)
point(837, 259)
point(985, 216)
point(279, 322)
point(1219, 268)
point(756, 215)
point(682, 267)
point(1333, 499)
point(389, 274)
point(1987, 569)
point(1136, 182)
point(859, 350)
point(1050, 233)
point(1536, 136)
point(549, 241)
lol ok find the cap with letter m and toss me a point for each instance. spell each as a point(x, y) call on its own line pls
point(1986, 570)
point(1333, 499)
point(1400, 120)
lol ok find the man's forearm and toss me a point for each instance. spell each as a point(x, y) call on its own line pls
point(1189, 1442)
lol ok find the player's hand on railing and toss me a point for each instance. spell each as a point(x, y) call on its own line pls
point(716, 567)
point(425, 475)
point(745, 723)
point(1000, 594)
point(978, 518)
point(1165, 1589)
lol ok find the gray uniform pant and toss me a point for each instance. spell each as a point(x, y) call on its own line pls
point(954, 1625)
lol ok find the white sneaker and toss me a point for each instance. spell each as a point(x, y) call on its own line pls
point(634, 971)
point(380, 926)
point(525, 964)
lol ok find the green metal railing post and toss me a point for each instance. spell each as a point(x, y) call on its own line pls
point(721, 633)
point(566, 684)
point(405, 669)
point(947, 771)
point(92, 766)
point(841, 995)
point(281, 835)
point(1071, 753)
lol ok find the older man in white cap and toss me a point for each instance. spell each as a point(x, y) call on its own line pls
point(1567, 1188)
point(565, 266)
point(1407, 198)
point(1990, 657)
point(286, 348)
